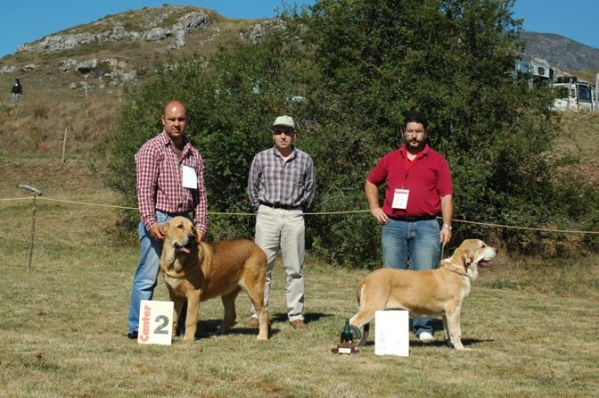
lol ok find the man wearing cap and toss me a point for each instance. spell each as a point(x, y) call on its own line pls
point(281, 185)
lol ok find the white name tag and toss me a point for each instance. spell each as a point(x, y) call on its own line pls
point(155, 322)
point(400, 199)
point(190, 179)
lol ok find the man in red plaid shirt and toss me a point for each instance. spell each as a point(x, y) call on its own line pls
point(170, 182)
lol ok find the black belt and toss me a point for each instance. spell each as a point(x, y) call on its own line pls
point(279, 206)
point(412, 219)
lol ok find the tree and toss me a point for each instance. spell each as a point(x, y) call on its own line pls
point(347, 70)
point(452, 59)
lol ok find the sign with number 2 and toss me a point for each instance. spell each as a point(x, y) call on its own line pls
point(155, 322)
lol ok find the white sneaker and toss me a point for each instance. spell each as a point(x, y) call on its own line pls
point(425, 336)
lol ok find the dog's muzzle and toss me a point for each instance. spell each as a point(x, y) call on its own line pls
point(487, 260)
point(185, 248)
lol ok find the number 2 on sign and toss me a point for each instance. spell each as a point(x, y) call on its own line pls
point(163, 327)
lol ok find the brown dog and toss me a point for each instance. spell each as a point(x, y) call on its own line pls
point(436, 292)
point(198, 271)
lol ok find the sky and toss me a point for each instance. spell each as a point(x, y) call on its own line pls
point(26, 21)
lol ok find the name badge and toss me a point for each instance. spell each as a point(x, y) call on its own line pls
point(400, 199)
point(190, 179)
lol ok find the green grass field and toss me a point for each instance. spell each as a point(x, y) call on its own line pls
point(532, 325)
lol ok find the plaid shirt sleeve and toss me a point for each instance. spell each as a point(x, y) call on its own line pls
point(254, 183)
point(147, 169)
point(310, 183)
point(200, 198)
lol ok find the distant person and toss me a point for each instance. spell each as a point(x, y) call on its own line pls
point(281, 185)
point(417, 187)
point(170, 182)
point(16, 91)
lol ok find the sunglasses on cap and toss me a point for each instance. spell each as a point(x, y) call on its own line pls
point(288, 132)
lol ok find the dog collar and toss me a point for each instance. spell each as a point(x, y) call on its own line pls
point(454, 267)
point(174, 275)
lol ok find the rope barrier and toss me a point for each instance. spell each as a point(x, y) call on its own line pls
point(486, 224)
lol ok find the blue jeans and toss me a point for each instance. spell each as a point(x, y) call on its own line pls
point(147, 271)
point(414, 245)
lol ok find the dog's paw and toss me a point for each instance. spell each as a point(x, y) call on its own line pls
point(463, 349)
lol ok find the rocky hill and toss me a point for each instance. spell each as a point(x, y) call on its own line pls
point(74, 80)
point(125, 47)
point(561, 52)
point(121, 49)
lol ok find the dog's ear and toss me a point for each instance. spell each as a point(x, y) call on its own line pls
point(191, 228)
point(467, 258)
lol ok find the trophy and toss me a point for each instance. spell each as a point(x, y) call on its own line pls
point(348, 334)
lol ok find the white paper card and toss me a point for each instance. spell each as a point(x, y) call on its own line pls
point(190, 179)
point(392, 333)
point(155, 322)
point(400, 199)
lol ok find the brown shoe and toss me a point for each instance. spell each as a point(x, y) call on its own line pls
point(299, 324)
point(252, 323)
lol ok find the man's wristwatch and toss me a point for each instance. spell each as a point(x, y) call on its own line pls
point(448, 226)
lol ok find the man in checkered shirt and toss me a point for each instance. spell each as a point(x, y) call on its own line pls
point(170, 182)
point(282, 184)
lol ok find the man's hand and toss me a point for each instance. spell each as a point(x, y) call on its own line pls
point(157, 232)
point(445, 235)
point(380, 215)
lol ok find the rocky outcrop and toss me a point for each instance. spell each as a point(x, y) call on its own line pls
point(186, 24)
point(168, 27)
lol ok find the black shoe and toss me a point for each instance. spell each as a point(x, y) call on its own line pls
point(132, 335)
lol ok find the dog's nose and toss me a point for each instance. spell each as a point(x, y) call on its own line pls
point(191, 238)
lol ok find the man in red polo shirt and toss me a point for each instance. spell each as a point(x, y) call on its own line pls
point(417, 188)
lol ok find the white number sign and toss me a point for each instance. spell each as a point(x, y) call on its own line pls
point(155, 322)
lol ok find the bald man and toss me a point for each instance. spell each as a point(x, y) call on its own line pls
point(169, 182)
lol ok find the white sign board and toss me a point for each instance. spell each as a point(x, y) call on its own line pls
point(392, 333)
point(155, 322)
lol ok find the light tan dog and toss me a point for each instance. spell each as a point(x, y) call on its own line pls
point(436, 292)
point(198, 271)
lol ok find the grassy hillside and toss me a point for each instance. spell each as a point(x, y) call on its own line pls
point(579, 139)
point(87, 104)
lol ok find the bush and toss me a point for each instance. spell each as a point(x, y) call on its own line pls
point(347, 71)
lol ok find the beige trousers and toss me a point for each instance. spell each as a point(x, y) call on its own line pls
point(284, 230)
